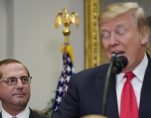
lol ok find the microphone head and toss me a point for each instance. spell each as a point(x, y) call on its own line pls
point(120, 63)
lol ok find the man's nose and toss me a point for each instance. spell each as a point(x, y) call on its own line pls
point(113, 39)
point(19, 83)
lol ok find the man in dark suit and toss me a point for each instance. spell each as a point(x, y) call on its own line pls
point(15, 90)
point(124, 31)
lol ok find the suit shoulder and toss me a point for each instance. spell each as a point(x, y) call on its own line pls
point(92, 72)
point(101, 68)
point(34, 114)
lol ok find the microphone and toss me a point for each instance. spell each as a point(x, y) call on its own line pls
point(117, 64)
point(120, 62)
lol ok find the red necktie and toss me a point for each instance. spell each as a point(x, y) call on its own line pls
point(129, 108)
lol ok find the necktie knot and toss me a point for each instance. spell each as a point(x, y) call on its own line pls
point(129, 75)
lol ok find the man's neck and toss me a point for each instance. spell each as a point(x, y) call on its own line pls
point(13, 110)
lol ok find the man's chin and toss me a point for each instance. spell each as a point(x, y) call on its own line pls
point(20, 101)
point(20, 104)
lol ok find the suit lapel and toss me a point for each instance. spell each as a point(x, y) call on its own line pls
point(145, 101)
point(0, 114)
point(112, 109)
point(31, 115)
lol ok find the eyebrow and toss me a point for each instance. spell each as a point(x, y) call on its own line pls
point(121, 25)
point(104, 30)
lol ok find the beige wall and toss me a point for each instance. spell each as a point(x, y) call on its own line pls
point(27, 33)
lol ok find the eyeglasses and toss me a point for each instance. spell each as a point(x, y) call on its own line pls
point(11, 81)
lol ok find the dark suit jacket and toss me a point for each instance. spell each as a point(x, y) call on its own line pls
point(32, 115)
point(85, 91)
point(35, 115)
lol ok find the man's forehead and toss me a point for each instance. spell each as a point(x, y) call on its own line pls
point(120, 24)
point(13, 69)
point(11, 66)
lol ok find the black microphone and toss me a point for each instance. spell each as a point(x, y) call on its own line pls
point(120, 62)
point(117, 64)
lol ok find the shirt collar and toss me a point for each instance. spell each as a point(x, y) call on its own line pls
point(139, 71)
point(24, 114)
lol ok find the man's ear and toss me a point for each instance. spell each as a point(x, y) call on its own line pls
point(144, 37)
point(149, 20)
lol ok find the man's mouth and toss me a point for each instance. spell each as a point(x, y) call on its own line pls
point(118, 52)
point(19, 94)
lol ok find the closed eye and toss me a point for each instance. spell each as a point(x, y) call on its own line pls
point(105, 34)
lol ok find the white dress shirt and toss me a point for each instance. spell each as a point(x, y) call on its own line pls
point(137, 82)
point(24, 114)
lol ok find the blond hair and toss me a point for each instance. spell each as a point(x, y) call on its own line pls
point(117, 9)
